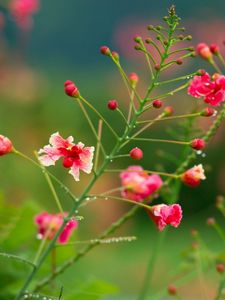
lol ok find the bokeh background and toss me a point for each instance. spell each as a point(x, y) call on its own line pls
point(63, 43)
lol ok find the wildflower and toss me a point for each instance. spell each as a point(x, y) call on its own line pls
point(5, 145)
point(193, 176)
point(197, 144)
point(138, 184)
point(112, 104)
point(71, 89)
point(220, 268)
point(168, 111)
point(49, 224)
point(172, 290)
point(164, 215)
point(204, 51)
point(105, 50)
point(75, 156)
point(22, 11)
point(136, 153)
point(214, 48)
point(212, 90)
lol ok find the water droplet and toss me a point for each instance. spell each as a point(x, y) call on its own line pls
point(215, 113)
point(199, 152)
point(203, 154)
point(77, 199)
point(134, 126)
point(76, 211)
point(127, 137)
point(111, 160)
point(106, 198)
point(188, 77)
point(88, 198)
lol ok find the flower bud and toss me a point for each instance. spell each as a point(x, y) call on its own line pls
point(157, 67)
point(179, 61)
point(211, 221)
point(5, 145)
point(112, 104)
point(115, 55)
point(105, 50)
point(148, 41)
point(133, 78)
point(214, 48)
point(201, 72)
point(220, 268)
point(172, 290)
point(193, 176)
point(71, 89)
point(137, 39)
point(168, 111)
point(136, 153)
point(208, 112)
point(219, 201)
point(204, 51)
point(194, 232)
point(197, 144)
point(157, 103)
point(150, 27)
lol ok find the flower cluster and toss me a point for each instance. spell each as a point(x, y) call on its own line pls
point(211, 89)
point(49, 224)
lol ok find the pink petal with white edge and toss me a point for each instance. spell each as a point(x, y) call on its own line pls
point(74, 171)
point(48, 156)
point(86, 158)
point(58, 142)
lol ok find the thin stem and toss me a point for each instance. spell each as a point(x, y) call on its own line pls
point(121, 155)
point(160, 141)
point(177, 79)
point(216, 67)
point(219, 231)
point(198, 114)
point(220, 289)
point(180, 50)
point(100, 115)
point(147, 57)
point(41, 246)
point(147, 171)
point(18, 258)
point(122, 115)
point(98, 144)
point(91, 126)
point(131, 106)
point(51, 186)
point(151, 266)
point(156, 47)
point(122, 199)
point(221, 58)
point(63, 186)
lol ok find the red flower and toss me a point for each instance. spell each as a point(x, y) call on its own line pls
point(212, 90)
point(75, 156)
point(193, 176)
point(164, 215)
point(49, 224)
point(5, 145)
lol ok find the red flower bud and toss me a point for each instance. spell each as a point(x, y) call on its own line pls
point(136, 153)
point(208, 112)
point(179, 61)
point(105, 50)
point(198, 144)
point(168, 111)
point(157, 103)
point(71, 89)
point(172, 290)
point(214, 48)
point(201, 72)
point(115, 55)
point(133, 77)
point(220, 268)
point(112, 104)
point(157, 67)
point(5, 145)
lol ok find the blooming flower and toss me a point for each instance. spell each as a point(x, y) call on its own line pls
point(212, 90)
point(193, 176)
point(163, 215)
point(75, 156)
point(138, 184)
point(5, 145)
point(22, 11)
point(49, 224)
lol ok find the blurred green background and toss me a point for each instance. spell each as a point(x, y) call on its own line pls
point(64, 44)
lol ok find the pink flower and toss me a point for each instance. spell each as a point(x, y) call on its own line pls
point(204, 51)
point(22, 11)
point(49, 224)
point(193, 176)
point(163, 215)
point(75, 156)
point(213, 90)
point(138, 184)
point(5, 145)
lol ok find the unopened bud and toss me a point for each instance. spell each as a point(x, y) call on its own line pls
point(157, 103)
point(136, 153)
point(197, 144)
point(105, 50)
point(112, 104)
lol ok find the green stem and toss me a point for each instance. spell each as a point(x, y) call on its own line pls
point(150, 267)
point(219, 231)
point(171, 118)
point(20, 259)
point(220, 289)
point(221, 59)
point(98, 145)
point(177, 79)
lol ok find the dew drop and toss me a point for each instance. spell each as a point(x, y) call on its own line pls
point(88, 198)
point(188, 77)
point(111, 160)
point(106, 198)
point(199, 152)
point(76, 211)
point(39, 236)
point(203, 154)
